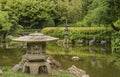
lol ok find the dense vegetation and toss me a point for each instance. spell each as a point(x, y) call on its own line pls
point(16, 15)
point(77, 33)
point(87, 19)
point(41, 13)
point(116, 45)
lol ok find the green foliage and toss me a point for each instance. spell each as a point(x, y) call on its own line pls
point(70, 10)
point(117, 24)
point(115, 42)
point(115, 45)
point(28, 31)
point(77, 33)
point(8, 21)
point(41, 13)
point(80, 23)
point(32, 13)
point(102, 12)
point(85, 7)
point(4, 21)
point(83, 24)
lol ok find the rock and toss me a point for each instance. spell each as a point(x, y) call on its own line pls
point(103, 42)
point(54, 63)
point(75, 58)
point(76, 71)
point(16, 68)
point(82, 41)
point(1, 72)
point(48, 61)
point(86, 75)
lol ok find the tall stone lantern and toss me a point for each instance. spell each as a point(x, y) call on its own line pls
point(35, 59)
point(66, 34)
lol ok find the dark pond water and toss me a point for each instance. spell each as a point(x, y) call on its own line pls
point(95, 63)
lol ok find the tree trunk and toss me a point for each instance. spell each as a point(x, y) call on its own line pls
point(3, 39)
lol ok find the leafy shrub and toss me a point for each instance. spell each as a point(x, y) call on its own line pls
point(77, 33)
point(115, 42)
point(117, 23)
point(115, 45)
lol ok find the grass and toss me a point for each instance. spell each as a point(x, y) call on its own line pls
point(8, 73)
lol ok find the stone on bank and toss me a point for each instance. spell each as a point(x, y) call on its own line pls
point(1, 72)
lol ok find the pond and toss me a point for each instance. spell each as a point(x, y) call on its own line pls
point(95, 63)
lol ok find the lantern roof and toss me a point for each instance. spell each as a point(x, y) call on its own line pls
point(35, 37)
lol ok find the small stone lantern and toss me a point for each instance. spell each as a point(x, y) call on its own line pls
point(35, 59)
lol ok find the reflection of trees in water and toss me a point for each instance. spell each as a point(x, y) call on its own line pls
point(96, 62)
point(10, 56)
point(116, 55)
point(91, 49)
point(95, 44)
point(66, 49)
point(91, 45)
point(102, 49)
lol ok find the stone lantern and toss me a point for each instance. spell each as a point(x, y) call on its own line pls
point(66, 34)
point(35, 59)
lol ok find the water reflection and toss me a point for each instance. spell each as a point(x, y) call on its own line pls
point(100, 49)
point(66, 49)
point(94, 65)
point(10, 56)
point(91, 49)
point(95, 62)
point(103, 49)
point(93, 59)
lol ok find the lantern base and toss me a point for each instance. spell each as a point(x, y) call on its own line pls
point(37, 68)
